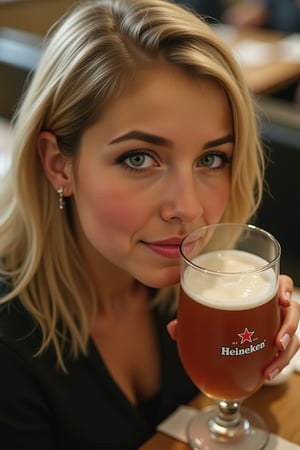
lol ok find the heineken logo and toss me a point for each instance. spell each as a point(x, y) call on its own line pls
point(245, 337)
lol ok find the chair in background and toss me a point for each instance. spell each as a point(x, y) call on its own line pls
point(19, 54)
point(280, 209)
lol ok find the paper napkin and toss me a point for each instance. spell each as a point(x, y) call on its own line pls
point(175, 426)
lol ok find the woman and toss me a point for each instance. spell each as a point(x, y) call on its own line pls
point(137, 128)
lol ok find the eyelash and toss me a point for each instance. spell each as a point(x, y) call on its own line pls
point(122, 160)
point(226, 159)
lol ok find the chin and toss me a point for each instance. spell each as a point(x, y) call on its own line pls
point(162, 280)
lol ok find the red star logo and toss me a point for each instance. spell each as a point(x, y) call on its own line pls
point(246, 336)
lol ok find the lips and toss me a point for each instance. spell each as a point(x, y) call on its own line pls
point(168, 248)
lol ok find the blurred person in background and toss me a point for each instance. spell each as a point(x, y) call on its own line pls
point(278, 15)
point(274, 14)
point(210, 10)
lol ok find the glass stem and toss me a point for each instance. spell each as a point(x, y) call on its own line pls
point(228, 422)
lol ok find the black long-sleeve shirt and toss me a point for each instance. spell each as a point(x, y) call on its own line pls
point(42, 408)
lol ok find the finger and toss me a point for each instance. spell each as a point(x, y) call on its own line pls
point(286, 286)
point(282, 360)
point(172, 328)
point(290, 318)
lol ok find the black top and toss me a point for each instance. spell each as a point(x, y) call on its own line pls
point(42, 408)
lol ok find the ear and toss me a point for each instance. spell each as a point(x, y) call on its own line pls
point(57, 167)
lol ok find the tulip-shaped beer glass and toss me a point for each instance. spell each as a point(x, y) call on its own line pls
point(228, 318)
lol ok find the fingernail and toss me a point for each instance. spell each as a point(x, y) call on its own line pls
point(288, 296)
point(285, 340)
point(273, 374)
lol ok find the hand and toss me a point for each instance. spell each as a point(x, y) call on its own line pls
point(286, 340)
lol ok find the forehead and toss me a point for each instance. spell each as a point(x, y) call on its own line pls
point(166, 86)
point(183, 110)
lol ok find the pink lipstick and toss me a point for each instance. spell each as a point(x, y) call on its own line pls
point(167, 248)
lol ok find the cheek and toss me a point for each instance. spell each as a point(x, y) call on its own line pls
point(218, 205)
point(119, 210)
point(106, 210)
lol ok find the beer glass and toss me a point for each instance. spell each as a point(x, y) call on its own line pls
point(228, 318)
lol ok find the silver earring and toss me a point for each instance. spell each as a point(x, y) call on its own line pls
point(61, 200)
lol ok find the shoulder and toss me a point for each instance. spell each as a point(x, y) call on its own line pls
point(19, 334)
point(15, 322)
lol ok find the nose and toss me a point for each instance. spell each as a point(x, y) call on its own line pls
point(181, 200)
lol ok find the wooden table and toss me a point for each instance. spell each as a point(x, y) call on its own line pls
point(278, 405)
point(268, 76)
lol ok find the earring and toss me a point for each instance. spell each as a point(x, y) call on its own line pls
point(61, 200)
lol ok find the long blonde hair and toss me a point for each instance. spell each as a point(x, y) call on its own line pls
point(89, 58)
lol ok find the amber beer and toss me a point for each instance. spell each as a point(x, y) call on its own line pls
point(227, 324)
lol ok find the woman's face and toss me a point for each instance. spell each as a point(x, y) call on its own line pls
point(155, 167)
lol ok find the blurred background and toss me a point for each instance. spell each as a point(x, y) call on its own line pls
point(265, 37)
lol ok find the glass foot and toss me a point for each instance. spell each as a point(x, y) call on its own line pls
point(249, 434)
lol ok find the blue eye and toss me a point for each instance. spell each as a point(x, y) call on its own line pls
point(214, 160)
point(137, 160)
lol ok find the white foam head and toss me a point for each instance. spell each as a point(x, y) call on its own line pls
point(240, 283)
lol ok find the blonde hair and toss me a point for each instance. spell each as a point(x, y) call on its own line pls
point(89, 58)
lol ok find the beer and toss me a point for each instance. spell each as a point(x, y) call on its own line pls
point(227, 324)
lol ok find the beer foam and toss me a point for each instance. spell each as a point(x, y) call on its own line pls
point(242, 287)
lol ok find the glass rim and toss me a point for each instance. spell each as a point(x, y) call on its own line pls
point(242, 226)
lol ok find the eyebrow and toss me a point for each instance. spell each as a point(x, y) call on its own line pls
point(143, 136)
point(220, 141)
point(158, 140)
